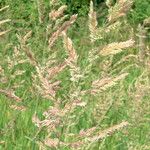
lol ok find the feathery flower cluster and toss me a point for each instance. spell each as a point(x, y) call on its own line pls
point(4, 21)
point(114, 48)
point(119, 10)
point(41, 10)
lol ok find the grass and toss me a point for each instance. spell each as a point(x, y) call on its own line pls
point(126, 100)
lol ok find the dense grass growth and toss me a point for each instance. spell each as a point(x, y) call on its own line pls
point(73, 82)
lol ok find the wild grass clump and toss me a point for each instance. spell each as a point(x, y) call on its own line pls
point(64, 115)
point(76, 115)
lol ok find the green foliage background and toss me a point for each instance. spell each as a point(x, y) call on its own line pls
point(24, 16)
point(26, 9)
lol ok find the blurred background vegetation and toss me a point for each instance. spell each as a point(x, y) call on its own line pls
point(23, 8)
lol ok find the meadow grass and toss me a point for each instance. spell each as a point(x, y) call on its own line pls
point(93, 50)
